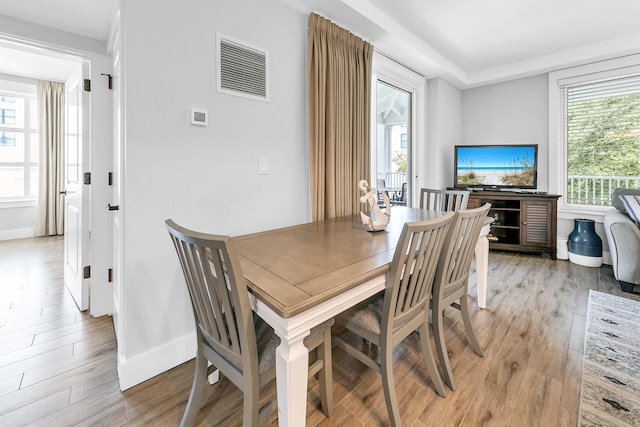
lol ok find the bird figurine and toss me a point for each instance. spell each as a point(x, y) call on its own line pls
point(380, 218)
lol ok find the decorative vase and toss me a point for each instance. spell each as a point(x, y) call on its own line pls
point(585, 246)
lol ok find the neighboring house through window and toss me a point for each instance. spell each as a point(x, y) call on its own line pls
point(7, 117)
point(18, 141)
point(594, 122)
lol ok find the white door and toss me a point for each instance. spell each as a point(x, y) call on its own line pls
point(393, 141)
point(397, 120)
point(76, 202)
point(117, 228)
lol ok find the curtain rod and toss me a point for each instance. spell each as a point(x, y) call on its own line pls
point(404, 64)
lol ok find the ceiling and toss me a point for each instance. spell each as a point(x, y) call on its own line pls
point(89, 19)
point(467, 42)
point(471, 42)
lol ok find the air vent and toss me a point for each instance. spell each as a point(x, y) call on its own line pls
point(243, 70)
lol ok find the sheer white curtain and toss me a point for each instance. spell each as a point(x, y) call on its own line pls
point(50, 210)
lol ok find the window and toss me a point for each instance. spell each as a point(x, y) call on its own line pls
point(18, 146)
point(7, 117)
point(7, 139)
point(603, 139)
point(403, 140)
point(594, 138)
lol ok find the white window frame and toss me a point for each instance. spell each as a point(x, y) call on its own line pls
point(29, 199)
point(603, 70)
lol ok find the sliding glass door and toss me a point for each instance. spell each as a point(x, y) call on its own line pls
point(393, 142)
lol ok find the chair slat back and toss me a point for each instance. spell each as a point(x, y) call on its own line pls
point(410, 278)
point(443, 200)
point(217, 290)
point(455, 260)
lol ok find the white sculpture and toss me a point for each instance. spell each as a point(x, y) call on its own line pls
point(380, 218)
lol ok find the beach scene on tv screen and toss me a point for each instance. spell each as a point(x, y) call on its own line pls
point(499, 166)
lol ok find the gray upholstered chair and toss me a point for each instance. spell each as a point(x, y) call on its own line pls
point(229, 335)
point(443, 200)
point(451, 284)
point(623, 237)
point(386, 319)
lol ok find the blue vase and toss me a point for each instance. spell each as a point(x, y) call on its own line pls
point(585, 246)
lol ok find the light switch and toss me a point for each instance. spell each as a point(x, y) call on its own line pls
point(263, 166)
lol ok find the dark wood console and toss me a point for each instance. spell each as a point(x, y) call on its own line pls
point(525, 222)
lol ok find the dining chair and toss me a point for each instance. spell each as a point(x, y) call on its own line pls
point(451, 283)
point(229, 335)
point(387, 318)
point(401, 200)
point(381, 188)
point(443, 200)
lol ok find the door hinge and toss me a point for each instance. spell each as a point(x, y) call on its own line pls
point(87, 85)
point(87, 271)
point(110, 275)
point(87, 178)
point(110, 178)
point(110, 83)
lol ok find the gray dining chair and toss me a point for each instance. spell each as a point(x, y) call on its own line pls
point(387, 318)
point(229, 335)
point(401, 199)
point(443, 200)
point(451, 285)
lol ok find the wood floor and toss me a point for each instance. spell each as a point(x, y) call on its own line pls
point(58, 365)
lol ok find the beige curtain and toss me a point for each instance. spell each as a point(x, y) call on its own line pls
point(50, 211)
point(339, 67)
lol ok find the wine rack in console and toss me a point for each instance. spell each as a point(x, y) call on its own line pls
point(524, 222)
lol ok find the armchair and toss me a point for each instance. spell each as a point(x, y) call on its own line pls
point(623, 237)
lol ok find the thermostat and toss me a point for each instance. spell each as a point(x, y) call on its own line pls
point(198, 116)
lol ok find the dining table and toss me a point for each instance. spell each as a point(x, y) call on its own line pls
point(302, 275)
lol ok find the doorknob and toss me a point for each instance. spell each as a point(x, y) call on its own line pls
point(113, 208)
point(63, 192)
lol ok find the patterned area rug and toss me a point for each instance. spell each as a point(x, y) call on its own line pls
point(610, 394)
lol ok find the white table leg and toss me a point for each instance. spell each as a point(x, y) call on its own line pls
point(292, 363)
point(214, 377)
point(482, 267)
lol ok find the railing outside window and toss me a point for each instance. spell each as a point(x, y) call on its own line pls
point(596, 190)
point(395, 179)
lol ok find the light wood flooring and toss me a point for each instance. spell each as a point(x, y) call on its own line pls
point(58, 365)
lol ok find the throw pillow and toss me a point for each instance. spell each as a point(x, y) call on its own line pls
point(632, 206)
point(617, 192)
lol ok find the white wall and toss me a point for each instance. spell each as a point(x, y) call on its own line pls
point(444, 127)
point(514, 112)
point(205, 178)
point(17, 221)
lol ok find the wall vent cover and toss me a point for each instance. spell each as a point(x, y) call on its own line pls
point(243, 70)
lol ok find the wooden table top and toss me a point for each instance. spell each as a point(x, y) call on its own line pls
point(295, 268)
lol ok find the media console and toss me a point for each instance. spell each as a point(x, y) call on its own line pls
point(524, 222)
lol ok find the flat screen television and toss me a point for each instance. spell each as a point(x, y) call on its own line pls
point(496, 166)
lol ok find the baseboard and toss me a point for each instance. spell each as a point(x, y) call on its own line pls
point(139, 368)
point(20, 233)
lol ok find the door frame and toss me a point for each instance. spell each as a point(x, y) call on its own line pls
point(396, 74)
point(100, 147)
